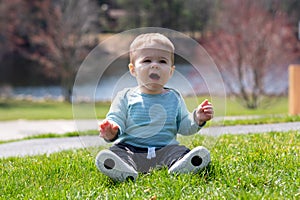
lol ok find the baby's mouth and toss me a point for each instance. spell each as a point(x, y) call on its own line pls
point(154, 76)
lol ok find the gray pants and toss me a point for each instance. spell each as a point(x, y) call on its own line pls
point(137, 157)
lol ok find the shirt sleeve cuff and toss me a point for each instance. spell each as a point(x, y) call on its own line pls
point(115, 138)
point(199, 125)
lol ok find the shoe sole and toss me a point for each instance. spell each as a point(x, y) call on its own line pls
point(113, 166)
point(197, 159)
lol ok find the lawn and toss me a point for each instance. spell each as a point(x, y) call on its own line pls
point(14, 109)
point(253, 166)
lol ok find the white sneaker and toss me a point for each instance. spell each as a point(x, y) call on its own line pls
point(194, 161)
point(113, 166)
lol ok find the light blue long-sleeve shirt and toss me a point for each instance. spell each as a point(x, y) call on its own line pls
point(147, 120)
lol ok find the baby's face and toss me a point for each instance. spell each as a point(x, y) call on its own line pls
point(152, 69)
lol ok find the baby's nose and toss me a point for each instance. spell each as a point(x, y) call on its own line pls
point(155, 66)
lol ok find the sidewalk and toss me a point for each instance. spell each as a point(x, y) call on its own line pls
point(18, 129)
point(22, 128)
point(47, 146)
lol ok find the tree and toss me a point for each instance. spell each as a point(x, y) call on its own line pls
point(197, 15)
point(252, 49)
point(7, 21)
point(55, 34)
point(188, 15)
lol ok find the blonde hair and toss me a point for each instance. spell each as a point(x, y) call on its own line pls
point(148, 40)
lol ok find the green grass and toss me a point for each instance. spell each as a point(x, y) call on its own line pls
point(253, 166)
point(233, 106)
point(14, 109)
point(258, 166)
point(276, 111)
point(263, 119)
point(272, 106)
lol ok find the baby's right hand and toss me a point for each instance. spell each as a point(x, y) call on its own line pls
point(108, 130)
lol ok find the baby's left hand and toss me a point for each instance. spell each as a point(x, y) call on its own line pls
point(204, 112)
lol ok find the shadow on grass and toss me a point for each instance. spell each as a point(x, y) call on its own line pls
point(208, 174)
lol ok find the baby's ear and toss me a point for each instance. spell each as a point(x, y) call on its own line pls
point(131, 69)
point(172, 70)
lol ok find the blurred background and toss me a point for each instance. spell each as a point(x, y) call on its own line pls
point(44, 42)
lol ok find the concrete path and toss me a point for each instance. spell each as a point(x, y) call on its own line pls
point(20, 129)
point(245, 129)
point(47, 146)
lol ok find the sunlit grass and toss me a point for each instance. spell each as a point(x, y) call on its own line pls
point(253, 166)
point(15, 109)
point(233, 107)
point(274, 113)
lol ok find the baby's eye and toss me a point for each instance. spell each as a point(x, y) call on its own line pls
point(163, 61)
point(147, 61)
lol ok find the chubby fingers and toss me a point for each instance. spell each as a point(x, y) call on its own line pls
point(207, 108)
point(103, 125)
point(206, 105)
point(107, 128)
